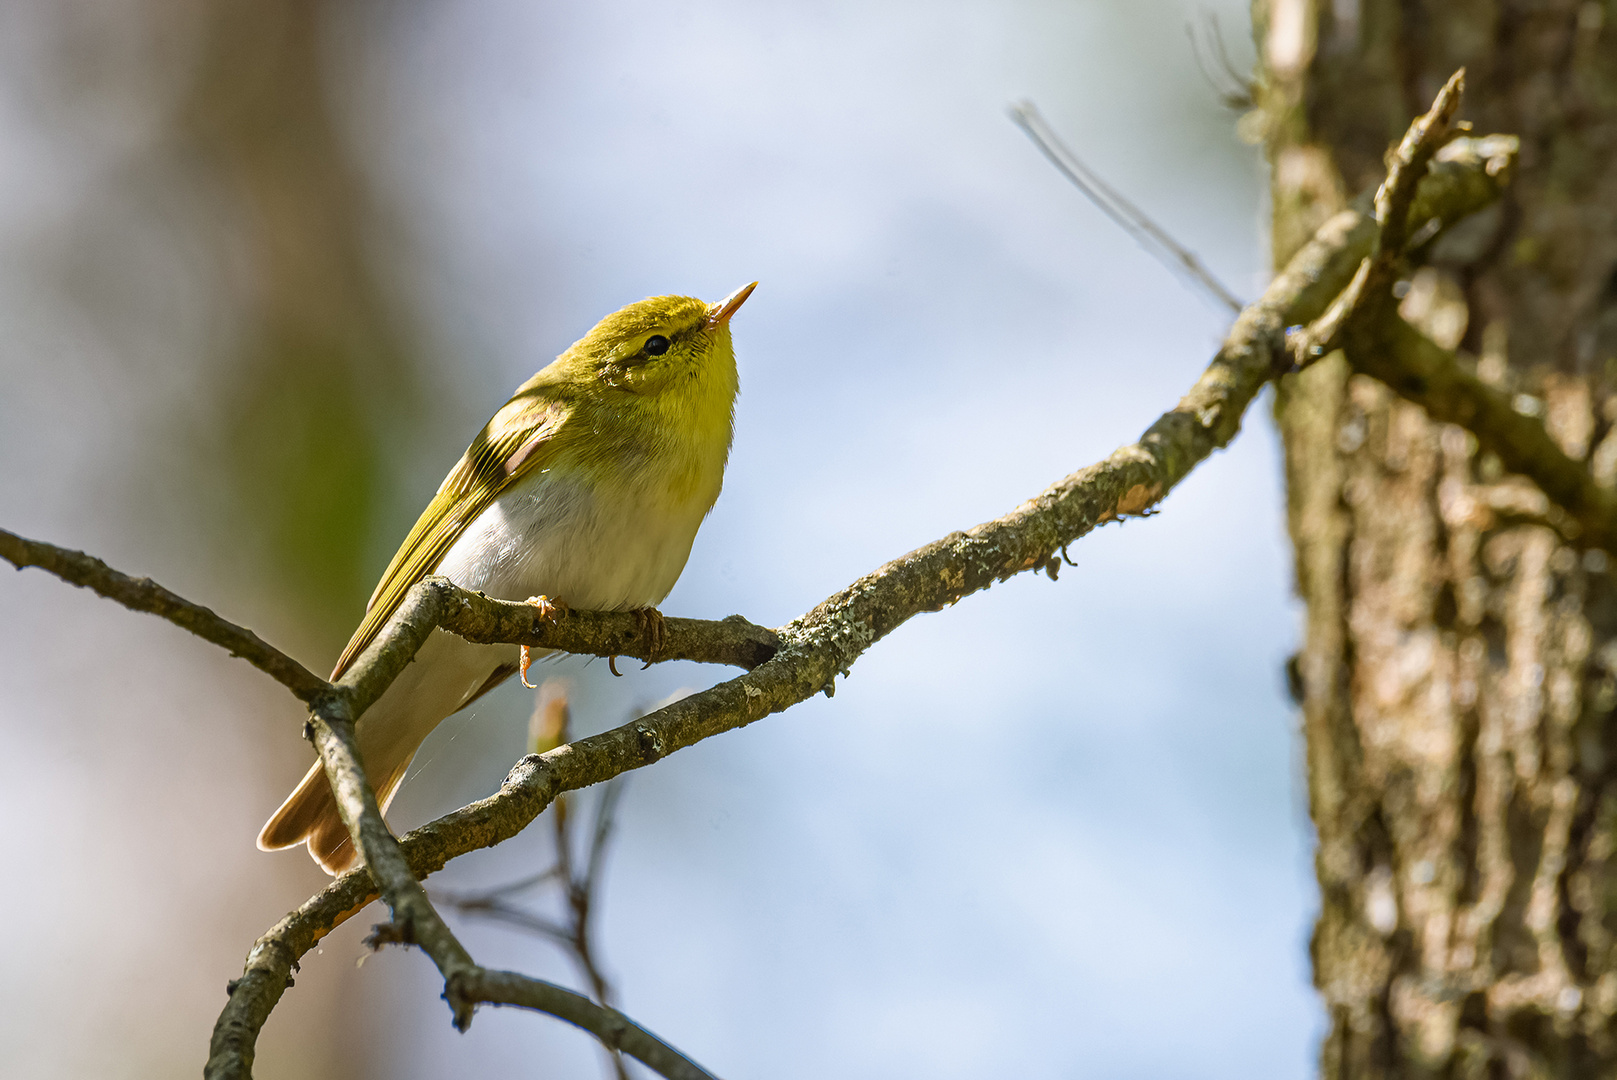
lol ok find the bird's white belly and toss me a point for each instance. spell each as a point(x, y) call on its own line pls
point(594, 547)
point(596, 550)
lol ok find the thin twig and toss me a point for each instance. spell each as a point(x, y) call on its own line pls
point(1369, 295)
point(144, 594)
point(815, 648)
point(580, 900)
point(578, 891)
point(1245, 94)
point(435, 602)
point(523, 884)
point(582, 889)
point(414, 920)
point(605, 818)
point(1111, 202)
point(499, 911)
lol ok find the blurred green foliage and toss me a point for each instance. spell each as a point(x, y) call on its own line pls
point(307, 475)
point(317, 381)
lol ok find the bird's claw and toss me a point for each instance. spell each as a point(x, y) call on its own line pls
point(651, 632)
point(549, 610)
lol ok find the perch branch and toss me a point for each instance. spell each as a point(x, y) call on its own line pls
point(438, 603)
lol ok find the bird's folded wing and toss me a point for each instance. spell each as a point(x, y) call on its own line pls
point(519, 439)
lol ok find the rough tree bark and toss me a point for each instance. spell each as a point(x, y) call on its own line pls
point(1459, 668)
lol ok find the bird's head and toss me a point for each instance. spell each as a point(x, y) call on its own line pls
point(659, 344)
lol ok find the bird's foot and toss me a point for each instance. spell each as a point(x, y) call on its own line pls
point(549, 611)
point(651, 632)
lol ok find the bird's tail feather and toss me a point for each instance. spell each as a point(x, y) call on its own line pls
point(309, 815)
point(448, 673)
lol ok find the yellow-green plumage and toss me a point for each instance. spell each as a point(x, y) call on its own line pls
point(586, 487)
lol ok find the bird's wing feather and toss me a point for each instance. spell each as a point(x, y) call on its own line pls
point(519, 439)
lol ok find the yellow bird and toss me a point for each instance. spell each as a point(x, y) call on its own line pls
point(587, 488)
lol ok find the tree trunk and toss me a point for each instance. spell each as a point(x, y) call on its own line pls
point(1459, 669)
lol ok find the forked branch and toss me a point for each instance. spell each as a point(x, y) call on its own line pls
point(1364, 323)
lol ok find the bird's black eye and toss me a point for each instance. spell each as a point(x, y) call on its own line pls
point(656, 345)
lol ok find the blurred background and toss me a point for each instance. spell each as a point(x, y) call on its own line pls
point(264, 270)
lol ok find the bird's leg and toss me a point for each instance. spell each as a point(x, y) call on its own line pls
point(549, 611)
point(651, 631)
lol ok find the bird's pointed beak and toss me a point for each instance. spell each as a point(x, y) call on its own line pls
point(720, 313)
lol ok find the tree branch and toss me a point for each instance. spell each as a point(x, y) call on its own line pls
point(816, 647)
point(414, 920)
point(608, 1025)
point(144, 594)
point(1419, 370)
point(1364, 323)
point(436, 602)
point(1369, 295)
